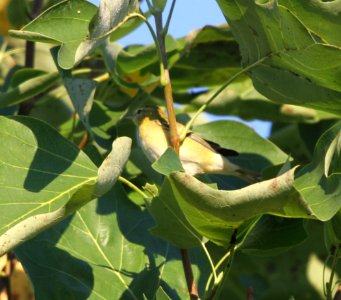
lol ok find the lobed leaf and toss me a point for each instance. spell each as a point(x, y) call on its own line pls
point(287, 54)
point(103, 252)
point(45, 178)
point(40, 173)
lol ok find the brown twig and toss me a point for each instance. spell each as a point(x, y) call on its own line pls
point(85, 139)
point(249, 293)
point(26, 107)
point(186, 263)
point(174, 136)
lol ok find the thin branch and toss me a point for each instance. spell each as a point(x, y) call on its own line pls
point(84, 141)
point(186, 263)
point(249, 293)
point(26, 107)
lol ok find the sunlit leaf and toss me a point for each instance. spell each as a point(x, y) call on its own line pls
point(323, 194)
point(27, 83)
point(288, 54)
point(104, 252)
point(40, 174)
point(45, 178)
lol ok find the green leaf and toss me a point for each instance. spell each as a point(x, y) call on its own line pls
point(41, 173)
point(63, 22)
point(17, 13)
point(323, 194)
point(55, 108)
point(135, 58)
point(296, 273)
point(103, 121)
point(242, 100)
point(272, 235)
point(51, 181)
point(328, 27)
point(67, 24)
point(332, 231)
point(104, 252)
point(161, 294)
point(168, 162)
point(110, 16)
point(286, 54)
point(171, 223)
point(333, 156)
point(113, 165)
point(80, 90)
point(211, 211)
point(25, 84)
point(201, 52)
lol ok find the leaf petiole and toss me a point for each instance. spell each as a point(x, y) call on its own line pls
point(132, 186)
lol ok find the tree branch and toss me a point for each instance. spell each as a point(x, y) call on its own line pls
point(174, 138)
point(26, 107)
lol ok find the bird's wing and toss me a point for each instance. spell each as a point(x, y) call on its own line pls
point(208, 144)
point(212, 146)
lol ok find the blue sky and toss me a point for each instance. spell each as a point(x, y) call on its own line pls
point(189, 15)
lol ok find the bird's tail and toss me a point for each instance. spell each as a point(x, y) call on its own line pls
point(249, 176)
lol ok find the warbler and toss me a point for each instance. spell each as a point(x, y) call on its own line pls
point(197, 155)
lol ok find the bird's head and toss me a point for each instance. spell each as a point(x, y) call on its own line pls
point(150, 112)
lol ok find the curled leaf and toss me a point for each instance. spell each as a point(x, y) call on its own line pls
point(113, 165)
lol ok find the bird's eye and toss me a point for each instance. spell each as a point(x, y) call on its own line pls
point(139, 111)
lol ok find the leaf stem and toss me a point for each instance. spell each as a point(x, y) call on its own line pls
point(221, 89)
point(102, 77)
point(156, 42)
point(132, 186)
point(214, 273)
point(216, 290)
point(166, 27)
point(329, 284)
point(216, 267)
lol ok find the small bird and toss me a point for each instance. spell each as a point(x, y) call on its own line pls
point(197, 155)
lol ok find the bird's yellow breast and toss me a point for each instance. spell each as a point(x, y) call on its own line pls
point(153, 139)
point(195, 157)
